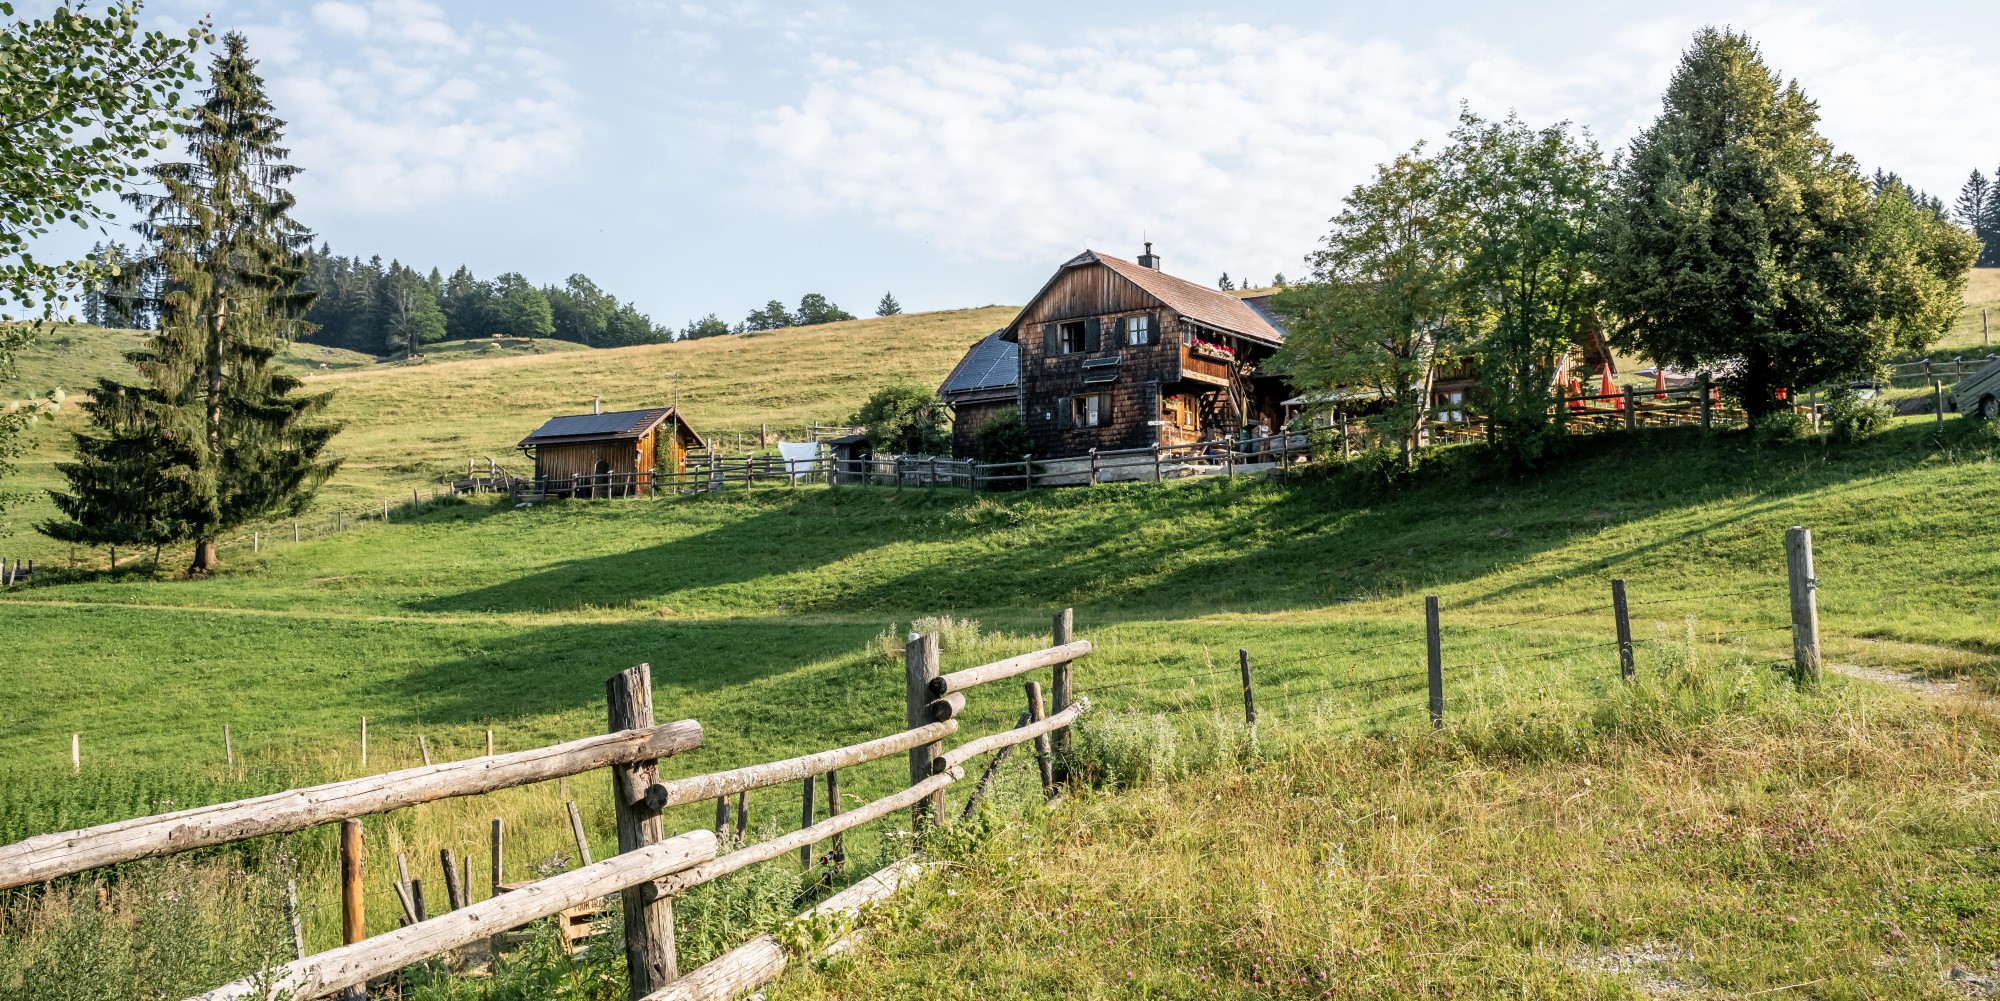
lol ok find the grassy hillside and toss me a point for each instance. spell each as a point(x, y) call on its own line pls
point(1966, 336)
point(415, 424)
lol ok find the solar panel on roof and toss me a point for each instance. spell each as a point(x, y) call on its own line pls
point(991, 364)
point(619, 422)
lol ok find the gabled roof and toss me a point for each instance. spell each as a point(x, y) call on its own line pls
point(990, 367)
point(629, 425)
point(1203, 305)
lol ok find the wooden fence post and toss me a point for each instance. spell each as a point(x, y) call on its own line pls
point(295, 531)
point(424, 748)
point(497, 856)
point(805, 821)
point(364, 741)
point(576, 831)
point(1707, 406)
point(1344, 453)
point(742, 816)
point(1434, 646)
point(454, 891)
point(1805, 604)
point(1156, 462)
point(1249, 699)
point(920, 665)
point(292, 918)
point(838, 847)
point(649, 916)
point(353, 923)
point(489, 741)
point(228, 748)
point(76, 753)
point(1937, 399)
point(1624, 624)
point(1042, 742)
point(1060, 690)
point(1631, 409)
point(1028, 471)
point(1093, 467)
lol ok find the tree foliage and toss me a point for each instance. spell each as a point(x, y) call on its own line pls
point(1978, 209)
point(1381, 303)
point(903, 418)
point(888, 306)
point(244, 442)
point(83, 99)
point(1741, 241)
point(1526, 204)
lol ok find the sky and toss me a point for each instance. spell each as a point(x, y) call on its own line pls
point(707, 156)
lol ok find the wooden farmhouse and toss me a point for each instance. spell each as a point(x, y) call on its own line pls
point(613, 454)
point(1115, 354)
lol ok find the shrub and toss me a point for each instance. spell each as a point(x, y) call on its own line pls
point(904, 418)
point(1849, 418)
point(1782, 426)
point(1003, 439)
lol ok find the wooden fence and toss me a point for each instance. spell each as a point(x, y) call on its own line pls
point(651, 868)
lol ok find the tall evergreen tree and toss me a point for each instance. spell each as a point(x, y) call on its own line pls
point(1742, 241)
point(1978, 209)
point(888, 306)
point(233, 259)
point(129, 483)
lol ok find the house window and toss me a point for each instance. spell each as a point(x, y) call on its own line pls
point(1138, 330)
point(1074, 337)
point(1089, 411)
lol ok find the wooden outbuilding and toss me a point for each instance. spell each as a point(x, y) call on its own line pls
point(614, 454)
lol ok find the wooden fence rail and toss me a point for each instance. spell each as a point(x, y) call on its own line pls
point(48, 856)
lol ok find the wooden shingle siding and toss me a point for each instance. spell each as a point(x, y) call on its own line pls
point(965, 423)
point(1102, 299)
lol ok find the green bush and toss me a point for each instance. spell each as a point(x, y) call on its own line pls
point(904, 418)
point(1782, 426)
point(1003, 439)
point(1849, 418)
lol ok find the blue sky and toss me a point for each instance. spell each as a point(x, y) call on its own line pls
point(707, 156)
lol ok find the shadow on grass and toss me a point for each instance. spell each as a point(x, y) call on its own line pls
point(1200, 546)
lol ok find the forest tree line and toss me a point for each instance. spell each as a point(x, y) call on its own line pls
point(394, 309)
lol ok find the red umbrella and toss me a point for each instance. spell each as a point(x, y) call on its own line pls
point(1605, 388)
point(1659, 382)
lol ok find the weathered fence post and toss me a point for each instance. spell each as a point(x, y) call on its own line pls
point(1042, 762)
point(1028, 471)
point(1249, 698)
point(295, 531)
point(1434, 647)
point(228, 748)
point(256, 542)
point(364, 741)
point(1060, 689)
point(1805, 604)
point(1707, 405)
point(454, 891)
point(489, 741)
point(920, 665)
point(805, 821)
point(353, 919)
point(1937, 399)
point(649, 916)
point(1156, 462)
point(576, 831)
point(292, 918)
point(1344, 453)
point(424, 748)
point(1624, 624)
point(838, 847)
point(1093, 467)
point(76, 753)
point(497, 856)
point(1631, 409)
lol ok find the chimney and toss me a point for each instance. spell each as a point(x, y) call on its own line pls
point(1147, 259)
point(597, 404)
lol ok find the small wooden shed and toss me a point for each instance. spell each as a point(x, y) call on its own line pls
point(613, 454)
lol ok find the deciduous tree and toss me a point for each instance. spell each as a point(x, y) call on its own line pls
point(904, 418)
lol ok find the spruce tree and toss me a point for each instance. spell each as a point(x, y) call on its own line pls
point(128, 483)
point(232, 259)
point(888, 306)
point(1741, 241)
point(1978, 208)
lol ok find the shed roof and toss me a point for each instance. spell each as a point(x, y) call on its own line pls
point(617, 425)
point(1204, 305)
point(990, 367)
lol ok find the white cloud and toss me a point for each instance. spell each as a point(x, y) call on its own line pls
point(342, 18)
point(416, 108)
point(1230, 145)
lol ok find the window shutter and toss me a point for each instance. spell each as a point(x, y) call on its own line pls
point(1062, 413)
point(1090, 330)
point(1153, 327)
point(1118, 332)
point(1104, 409)
point(1048, 338)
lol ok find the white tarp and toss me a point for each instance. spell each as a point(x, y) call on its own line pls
point(800, 456)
